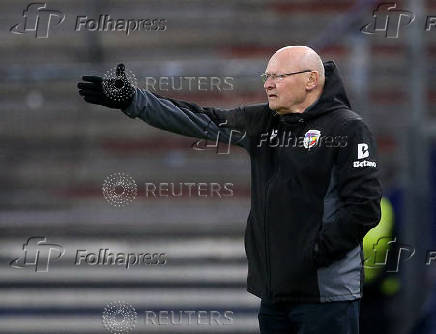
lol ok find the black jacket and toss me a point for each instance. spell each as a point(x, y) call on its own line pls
point(315, 190)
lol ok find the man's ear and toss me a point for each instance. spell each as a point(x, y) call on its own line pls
point(313, 80)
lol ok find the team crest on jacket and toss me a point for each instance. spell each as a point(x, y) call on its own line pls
point(311, 138)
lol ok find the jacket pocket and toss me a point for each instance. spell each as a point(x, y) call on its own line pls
point(310, 254)
point(255, 256)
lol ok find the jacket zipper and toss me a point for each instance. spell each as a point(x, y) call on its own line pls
point(266, 230)
point(268, 265)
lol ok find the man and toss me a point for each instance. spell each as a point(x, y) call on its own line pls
point(315, 191)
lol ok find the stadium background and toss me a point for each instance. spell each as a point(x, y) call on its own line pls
point(56, 152)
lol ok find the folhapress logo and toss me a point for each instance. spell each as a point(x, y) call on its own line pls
point(362, 153)
point(38, 254)
point(38, 19)
point(387, 19)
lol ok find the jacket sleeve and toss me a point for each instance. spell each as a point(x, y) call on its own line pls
point(359, 190)
point(187, 119)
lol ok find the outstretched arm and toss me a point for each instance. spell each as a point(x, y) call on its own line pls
point(232, 126)
point(188, 119)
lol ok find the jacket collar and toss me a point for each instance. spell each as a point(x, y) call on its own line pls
point(332, 97)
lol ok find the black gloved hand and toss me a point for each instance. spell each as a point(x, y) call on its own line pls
point(116, 93)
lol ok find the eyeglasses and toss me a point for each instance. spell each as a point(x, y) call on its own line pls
point(279, 77)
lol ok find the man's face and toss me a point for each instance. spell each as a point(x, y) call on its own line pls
point(286, 92)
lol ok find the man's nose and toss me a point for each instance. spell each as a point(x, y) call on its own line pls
point(269, 84)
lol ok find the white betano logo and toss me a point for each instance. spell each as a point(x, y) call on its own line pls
point(362, 151)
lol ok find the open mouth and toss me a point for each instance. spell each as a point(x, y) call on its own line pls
point(270, 96)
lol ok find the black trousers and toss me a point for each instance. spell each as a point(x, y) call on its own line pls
point(324, 318)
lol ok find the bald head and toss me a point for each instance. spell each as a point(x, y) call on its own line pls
point(303, 57)
point(294, 93)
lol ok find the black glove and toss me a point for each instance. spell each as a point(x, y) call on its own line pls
point(116, 93)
